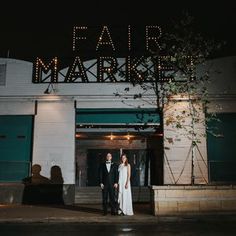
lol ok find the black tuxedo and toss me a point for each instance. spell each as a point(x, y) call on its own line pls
point(108, 179)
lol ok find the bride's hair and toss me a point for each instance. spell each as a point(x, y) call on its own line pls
point(126, 162)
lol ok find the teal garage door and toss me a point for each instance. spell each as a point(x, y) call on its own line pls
point(15, 147)
point(221, 149)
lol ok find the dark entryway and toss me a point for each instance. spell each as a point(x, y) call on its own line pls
point(94, 158)
point(141, 162)
point(130, 131)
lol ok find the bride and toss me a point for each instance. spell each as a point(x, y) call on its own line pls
point(125, 197)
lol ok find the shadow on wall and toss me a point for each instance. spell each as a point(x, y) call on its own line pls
point(39, 189)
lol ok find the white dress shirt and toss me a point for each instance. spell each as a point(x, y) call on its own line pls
point(108, 165)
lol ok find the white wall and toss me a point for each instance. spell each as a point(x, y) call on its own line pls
point(178, 149)
point(222, 96)
point(17, 108)
point(89, 95)
point(19, 82)
point(222, 84)
point(54, 138)
point(54, 122)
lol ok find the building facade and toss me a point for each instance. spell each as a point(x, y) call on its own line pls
point(60, 133)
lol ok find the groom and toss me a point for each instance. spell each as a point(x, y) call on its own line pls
point(108, 179)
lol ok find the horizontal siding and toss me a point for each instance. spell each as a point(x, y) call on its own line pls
point(54, 138)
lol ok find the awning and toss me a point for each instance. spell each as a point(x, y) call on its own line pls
point(117, 117)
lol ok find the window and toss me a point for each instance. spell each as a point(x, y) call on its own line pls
point(3, 74)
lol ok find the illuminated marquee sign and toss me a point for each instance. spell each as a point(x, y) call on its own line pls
point(117, 60)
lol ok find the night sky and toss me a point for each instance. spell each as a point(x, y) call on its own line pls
point(33, 28)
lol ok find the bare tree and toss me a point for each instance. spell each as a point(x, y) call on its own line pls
point(174, 76)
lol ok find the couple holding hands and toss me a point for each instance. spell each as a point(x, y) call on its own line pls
point(115, 183)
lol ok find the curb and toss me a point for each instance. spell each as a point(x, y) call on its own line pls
point(118, 220)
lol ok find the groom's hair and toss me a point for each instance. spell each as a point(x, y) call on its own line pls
point(108, 154)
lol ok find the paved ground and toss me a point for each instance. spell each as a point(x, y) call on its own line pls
point(80, 220)
point(80, 213)
point(93, 214)
point(157, 229)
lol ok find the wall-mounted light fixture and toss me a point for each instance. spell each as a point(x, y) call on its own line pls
point(50, 89)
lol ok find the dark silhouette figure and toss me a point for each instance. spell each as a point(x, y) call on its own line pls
point(35, 191)
point(57, 185)
point(36, 177)
point(41, 190)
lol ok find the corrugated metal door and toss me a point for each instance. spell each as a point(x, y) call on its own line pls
point(15, 147)
point(221, 149)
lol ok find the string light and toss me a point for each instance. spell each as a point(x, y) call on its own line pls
point(101, 41)
point(164, 66)
point(41, 68)
point(132, 68)
point(152, 38)
point(108, 70)
point(129, 37)
point(75, 37)
point(73, 74)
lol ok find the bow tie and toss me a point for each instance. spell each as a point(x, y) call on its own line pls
point(108, 162)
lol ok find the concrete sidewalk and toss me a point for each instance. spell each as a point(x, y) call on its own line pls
point(93, 214)
point(78, 213)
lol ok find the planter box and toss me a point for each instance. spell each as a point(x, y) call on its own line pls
point(174, 200)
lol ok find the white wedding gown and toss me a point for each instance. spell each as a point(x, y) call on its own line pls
point(125, 197)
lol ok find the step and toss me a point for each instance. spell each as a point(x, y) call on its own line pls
point(93, 195)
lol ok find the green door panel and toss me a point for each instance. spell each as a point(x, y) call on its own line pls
point(15, 147)
point(221, 149)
